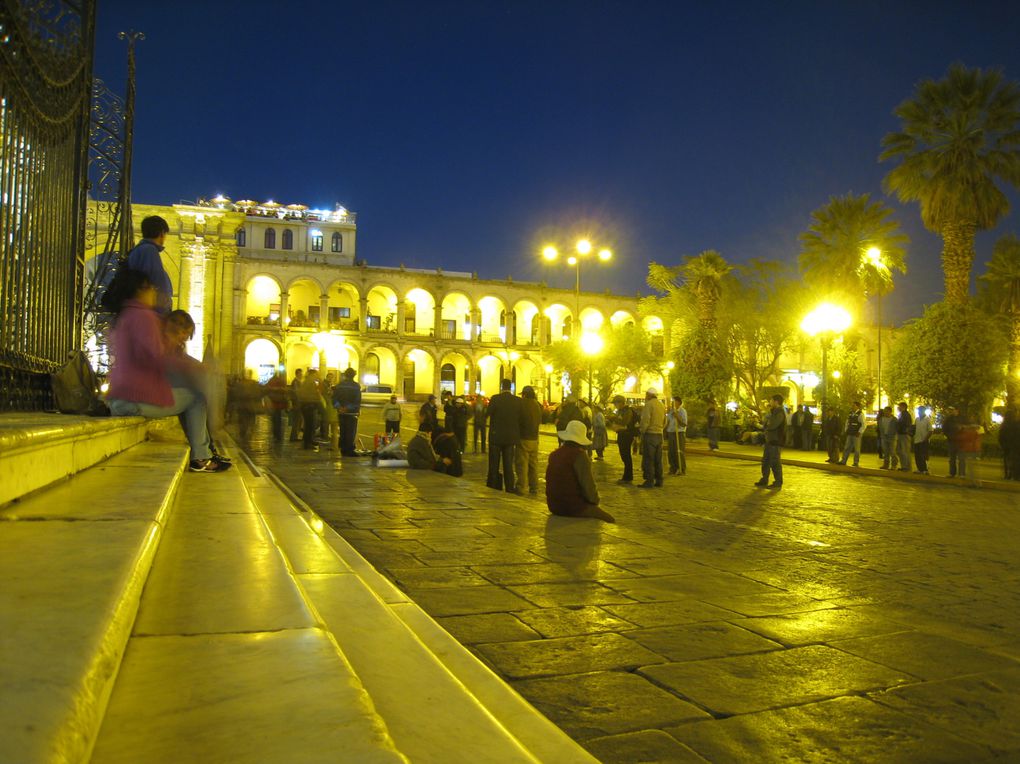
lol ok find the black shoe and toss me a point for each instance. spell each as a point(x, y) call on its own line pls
point(648, 484)
point(208, 465)
point(762, 483)
point(775, 485)
point(624, 481)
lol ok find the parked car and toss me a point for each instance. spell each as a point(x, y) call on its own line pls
point(376, 395)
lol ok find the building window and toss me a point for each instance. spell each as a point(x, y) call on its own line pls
point(338, 243)
point(372, 322)
point(317, 242)
point(288, 239)
point(313, 313)
point(270, 242)
point(242, 237)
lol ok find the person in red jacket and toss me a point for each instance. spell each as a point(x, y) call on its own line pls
point(570, 488)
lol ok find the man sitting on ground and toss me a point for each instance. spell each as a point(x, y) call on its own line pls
point(421, 456)
point(570, 488)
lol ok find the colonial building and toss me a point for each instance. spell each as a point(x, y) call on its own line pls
point(275, 287)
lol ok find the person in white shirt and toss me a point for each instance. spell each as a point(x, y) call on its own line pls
point(391, 414)
point(854, 431)
point(922, 434)
point(676, 437)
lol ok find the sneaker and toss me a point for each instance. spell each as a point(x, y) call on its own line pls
point(208, 465)
point(221, 458)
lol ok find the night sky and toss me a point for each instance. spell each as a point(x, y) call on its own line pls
point(466, 134)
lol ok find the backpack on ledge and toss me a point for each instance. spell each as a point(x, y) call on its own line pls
point(76, 387)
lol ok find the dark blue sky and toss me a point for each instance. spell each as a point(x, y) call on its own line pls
point(465, 133)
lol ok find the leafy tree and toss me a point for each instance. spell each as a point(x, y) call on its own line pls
point(959, 136)
point(759, 312)
point(627, 351)
point(1004, 275)
point(834, 248)
point(703, 276)
point(952, 355)
point(703, 370)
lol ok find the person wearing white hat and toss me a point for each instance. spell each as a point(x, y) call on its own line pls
point(653, 420)
point(570, 489)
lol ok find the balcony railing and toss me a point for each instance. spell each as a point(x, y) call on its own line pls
point(263, 321)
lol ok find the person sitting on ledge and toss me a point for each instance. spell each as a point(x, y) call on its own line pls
point(570, 489)
point(421, 455)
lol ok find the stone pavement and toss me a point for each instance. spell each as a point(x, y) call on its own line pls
point(844, 618)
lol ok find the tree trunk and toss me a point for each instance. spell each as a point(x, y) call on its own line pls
point(957, 257)
point(1013, 367)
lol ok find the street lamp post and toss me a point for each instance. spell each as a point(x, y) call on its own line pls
point(548, 382)
point(825, 322)
point(873, 257)
point(583, 248)
point(591, 345)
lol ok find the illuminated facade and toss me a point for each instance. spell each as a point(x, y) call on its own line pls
point(273, 286)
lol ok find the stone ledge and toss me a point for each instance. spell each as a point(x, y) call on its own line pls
point(73, 561)
point(39, 449)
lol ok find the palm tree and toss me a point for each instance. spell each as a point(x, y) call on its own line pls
point(834, 250)
point(703, 276)
point(959, 137)
point(1004, 271)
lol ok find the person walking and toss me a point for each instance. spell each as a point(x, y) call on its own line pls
point(922, 434)
point(479, 414)
point(969, 441)
point(276, 392)
point(310, 401)
point(600, 436)
point(676, 437)
point(653, 420)
point(713, 425)
point(570, 489)
point(428, 416)
point(527, 450)
point(457, 416)
point(295, 405)
point(808, 433)
point(392, 414)
point(775, 436)
point(854, 431)
point(347, 401)
point(887, 432)
point(951, 430)
point(625, 423)
point(831, 429)
point(506, 412)
point(904, 425)
point(797, 427)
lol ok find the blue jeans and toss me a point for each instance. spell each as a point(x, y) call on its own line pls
point(852, 446)
point(770, 461)
point(186, 402)
point(651, 457)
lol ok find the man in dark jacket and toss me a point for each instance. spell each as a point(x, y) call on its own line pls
point(904, 435)
point(457, 415)
point(506, 412)
point(145, 257)
point(527, 450)
point(775, 436)
point(951, 429)
point(625, 423)
point(428, 417)
point(347, 402)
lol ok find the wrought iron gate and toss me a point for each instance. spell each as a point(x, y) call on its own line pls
point(46, 49)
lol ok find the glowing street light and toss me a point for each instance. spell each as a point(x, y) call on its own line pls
point(826, 322)
point(582, 248)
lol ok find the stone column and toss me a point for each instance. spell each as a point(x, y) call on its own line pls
point(436, 376)
point(401, 313)
point(226, 308)
point(284, 308)
point(437, 321)
point(363, 308)
point(476, 324)
point(323, 312)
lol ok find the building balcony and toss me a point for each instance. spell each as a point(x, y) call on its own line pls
point(263, 321)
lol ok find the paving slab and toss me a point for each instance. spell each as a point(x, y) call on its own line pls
point(821, 626)
point(606, 702)
point(702, 640)
point(472, 599)
point(571, 621)
point(673, 613)
point(747, 683)
point(840, 731)
point(645, 747)
point(487, 627)
point(567, 655)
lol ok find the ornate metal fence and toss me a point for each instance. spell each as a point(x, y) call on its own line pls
point(45, 82)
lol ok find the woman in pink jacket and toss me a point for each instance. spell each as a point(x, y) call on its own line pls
point(138, 375)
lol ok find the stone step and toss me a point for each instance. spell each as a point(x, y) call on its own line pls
point(440, 703)
point(226, 661)
point(73, 561)
point(39, 449)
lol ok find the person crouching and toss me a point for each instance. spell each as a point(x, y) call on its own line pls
point(570, 489)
